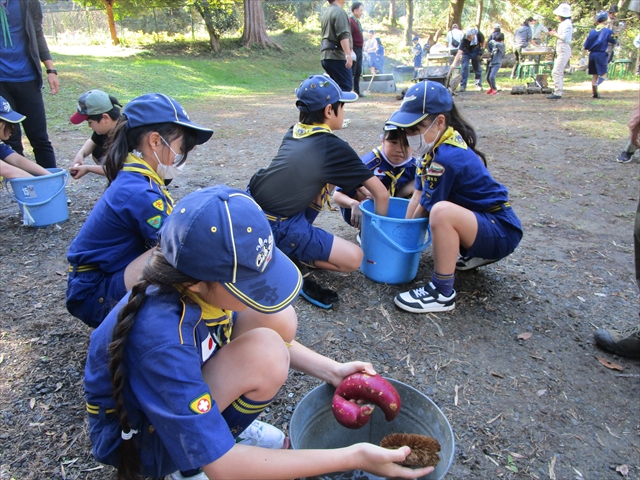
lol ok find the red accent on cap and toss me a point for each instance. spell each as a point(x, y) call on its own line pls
point(77, 118)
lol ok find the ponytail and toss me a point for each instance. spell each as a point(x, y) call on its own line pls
point(157, 272)
point(124, 140)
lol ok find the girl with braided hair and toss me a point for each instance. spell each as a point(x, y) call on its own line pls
point(149, 146)
point(189, 359)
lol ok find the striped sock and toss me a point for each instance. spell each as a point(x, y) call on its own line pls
point(242, 412)
point(443, 282)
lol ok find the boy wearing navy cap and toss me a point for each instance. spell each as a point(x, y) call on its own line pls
point(597, 42)
point(101, 113)
point(417, 56)
point(471, 219)
point(294, 187)
point(12, 164)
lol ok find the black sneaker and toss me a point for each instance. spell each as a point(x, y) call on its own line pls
point(425, 299)
point(553, 96)
point(317, 295)
point(624, 157)
point(625, 343)
point(469, 263)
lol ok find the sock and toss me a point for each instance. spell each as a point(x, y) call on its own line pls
point(242, 412)
point(443, 282)
point(190, 473)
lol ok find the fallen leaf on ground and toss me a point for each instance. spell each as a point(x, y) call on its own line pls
point(610, 365)
point(525, 336)
point(623, 470)
point(32, 403)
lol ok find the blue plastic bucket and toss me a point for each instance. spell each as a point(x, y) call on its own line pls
point(392, 245)
point(43, 199)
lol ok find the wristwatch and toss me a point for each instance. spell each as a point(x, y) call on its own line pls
point(55, 72)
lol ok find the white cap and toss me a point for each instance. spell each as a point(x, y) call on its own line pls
point(563, 10)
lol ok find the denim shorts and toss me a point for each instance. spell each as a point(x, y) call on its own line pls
point(92, 294)
point(499, 233)
point(300, 240)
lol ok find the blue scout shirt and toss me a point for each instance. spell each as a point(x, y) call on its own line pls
point(599, 39)
point(5, 151)
point(167, 400)
point(456, 174)
point(125, 221)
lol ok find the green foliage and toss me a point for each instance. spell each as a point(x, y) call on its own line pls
point(223, 15)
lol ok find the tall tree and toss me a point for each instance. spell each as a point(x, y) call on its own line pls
point(455, 13)
point(393, 21)
point(111, 21)
point(408, 33)
point(219, 17)
point(255, 32)
point(479, 14)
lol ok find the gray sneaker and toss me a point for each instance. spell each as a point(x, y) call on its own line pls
point(469, 263)
point(260, 434)
point(625, 343)
point(625, 157)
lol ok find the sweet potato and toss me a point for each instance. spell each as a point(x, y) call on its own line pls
point(370, 388)
point(350, 414)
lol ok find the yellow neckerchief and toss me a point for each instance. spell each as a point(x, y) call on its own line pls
point(450, 136)
point(136, 164)
point(302, 130)
point(394, 178)
point(210, 314)
point(599, 27)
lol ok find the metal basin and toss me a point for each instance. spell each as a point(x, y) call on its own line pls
point(314, 426)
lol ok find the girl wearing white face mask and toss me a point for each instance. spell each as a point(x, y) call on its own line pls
point(472, 221)
point(149, 146)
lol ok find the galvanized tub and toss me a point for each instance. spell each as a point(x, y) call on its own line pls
point(314, 426)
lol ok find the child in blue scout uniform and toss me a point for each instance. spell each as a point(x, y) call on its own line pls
point(469, 212)
point(150, 145)
point(394, 166)
point(12, 164)
point(294, 187)
point(185, 362)
point(495, 62)
point(596, 43)
point(101, 113)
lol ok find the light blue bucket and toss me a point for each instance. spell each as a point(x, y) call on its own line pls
point(392, 245)
point(43, 199)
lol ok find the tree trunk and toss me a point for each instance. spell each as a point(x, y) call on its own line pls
point(408, 33)
point(393, 21)
point(479, 15)
point(255, 33)
point(455, 13)
point(202, 6)
point(112, 22)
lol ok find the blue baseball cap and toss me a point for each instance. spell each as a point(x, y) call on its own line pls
point(220, 234)
point(422, 99)
point(318, 91)
point(159, 108)
point(9, 115)
point(602, 17)
point(416, 38)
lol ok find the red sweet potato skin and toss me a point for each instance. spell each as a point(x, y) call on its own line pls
point(374, 389)
point(350, 414)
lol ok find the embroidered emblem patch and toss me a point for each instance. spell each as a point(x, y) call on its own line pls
point(159, 205)
point(202, 404)
point(264, 251)
point(155, 222)
point(435, 169)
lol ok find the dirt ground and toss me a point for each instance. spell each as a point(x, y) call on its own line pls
point(539, 408)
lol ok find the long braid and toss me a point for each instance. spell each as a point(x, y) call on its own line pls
point(128, 457)
point(157, 272)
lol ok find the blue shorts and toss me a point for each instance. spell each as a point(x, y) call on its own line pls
point(598, 63)
point(299, 239)
point(499, 234)
point(92, 294)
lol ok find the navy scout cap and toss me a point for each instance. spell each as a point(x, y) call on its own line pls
point(220, 234)
point(422, 99)
point(318, 91)
point(9, 115)
point(159, 108)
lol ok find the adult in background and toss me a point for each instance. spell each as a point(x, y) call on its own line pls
point(336, 44)
point(537, 30)
point(357, 9)
point(370, 48)
point(454, 37)
point(521, 38)
point(636, 43)
point(471, 50)
point(22, 48)
point(564, 34)
point(616, 26)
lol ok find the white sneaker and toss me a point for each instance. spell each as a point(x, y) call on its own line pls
point(425, 299)
point(469, 263)
point(346, 122)
point(358, 239)
point(260, 434)
point(178, 476)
